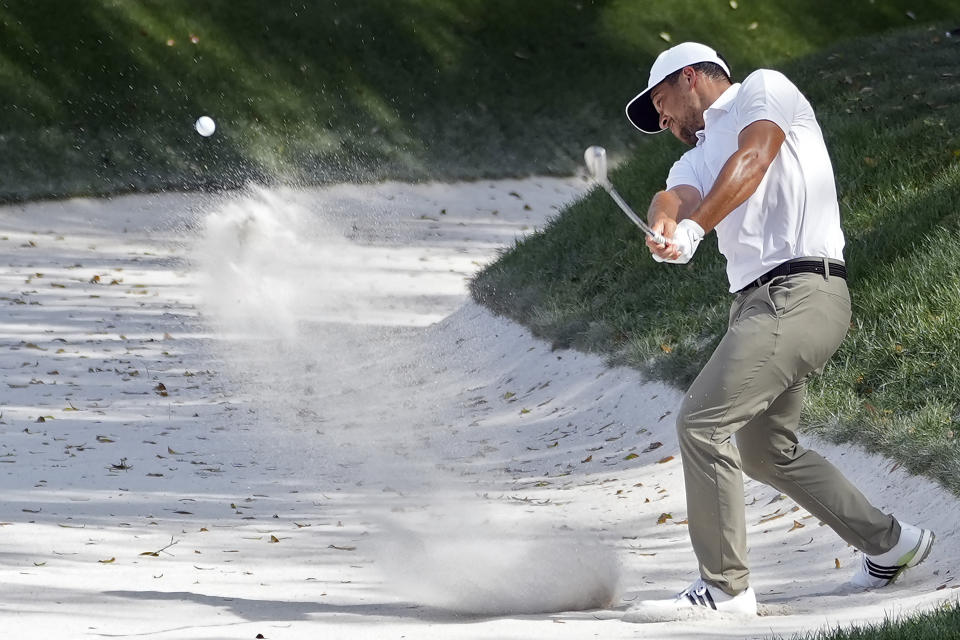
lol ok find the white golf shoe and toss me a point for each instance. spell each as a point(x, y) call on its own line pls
point(879, 571)
point(699, 600)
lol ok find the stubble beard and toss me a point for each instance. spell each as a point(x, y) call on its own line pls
point(687, 131)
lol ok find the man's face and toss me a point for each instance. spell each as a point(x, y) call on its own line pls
point(678, 108)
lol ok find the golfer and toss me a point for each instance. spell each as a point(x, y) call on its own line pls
point(759, 175)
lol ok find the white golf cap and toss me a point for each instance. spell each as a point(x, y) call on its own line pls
point(640, 111)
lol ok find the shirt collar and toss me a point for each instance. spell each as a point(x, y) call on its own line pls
point(722, 103)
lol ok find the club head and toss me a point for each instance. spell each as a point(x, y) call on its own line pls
point(596, 160)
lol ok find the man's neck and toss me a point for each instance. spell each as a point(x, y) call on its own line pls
point(709, 90)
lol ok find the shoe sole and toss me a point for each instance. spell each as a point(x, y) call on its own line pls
point(917, 555)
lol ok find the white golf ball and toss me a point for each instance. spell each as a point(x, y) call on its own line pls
point(205, 126)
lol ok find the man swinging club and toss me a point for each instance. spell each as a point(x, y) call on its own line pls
point(758, 174)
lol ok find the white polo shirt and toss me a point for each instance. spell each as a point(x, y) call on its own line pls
point(794, 212)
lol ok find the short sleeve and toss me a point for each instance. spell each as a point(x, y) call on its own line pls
point(767, 95)
point(684, 171)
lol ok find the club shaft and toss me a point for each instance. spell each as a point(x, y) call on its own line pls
point(633, 216)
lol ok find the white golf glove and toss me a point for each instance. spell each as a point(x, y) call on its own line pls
point(686, 237)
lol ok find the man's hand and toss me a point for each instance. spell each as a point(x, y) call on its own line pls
point(683, 240)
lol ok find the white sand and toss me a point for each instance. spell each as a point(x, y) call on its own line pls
point(344, 446)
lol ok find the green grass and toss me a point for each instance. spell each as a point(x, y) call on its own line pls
point(940, 624)
point(94, 101)
point(888, 109)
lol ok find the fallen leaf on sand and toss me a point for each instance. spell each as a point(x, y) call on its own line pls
point(773, 517)
point(107, 561)
point(274, 539)
point(631, 456)
point(796, 525)
point(667, 459)
point(664, 517)
point(652, 446)
point(836, 562)
point(333, 546)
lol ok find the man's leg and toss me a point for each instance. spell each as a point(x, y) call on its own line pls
point(771, 454)
point(778, 334)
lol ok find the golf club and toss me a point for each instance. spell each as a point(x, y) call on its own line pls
point(596, 160)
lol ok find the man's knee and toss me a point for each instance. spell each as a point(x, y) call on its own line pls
point(692, 430)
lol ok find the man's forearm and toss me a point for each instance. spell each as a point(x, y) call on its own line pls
point(738, 180)
point(741, 174)
point(665, 205)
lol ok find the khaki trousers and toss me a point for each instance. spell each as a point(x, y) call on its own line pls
point(752, 388)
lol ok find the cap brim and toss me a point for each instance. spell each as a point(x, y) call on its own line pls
point(642, 114)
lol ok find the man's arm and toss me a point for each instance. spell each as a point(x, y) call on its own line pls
point(758, 144)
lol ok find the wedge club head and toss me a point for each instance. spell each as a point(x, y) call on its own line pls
point(596, 160)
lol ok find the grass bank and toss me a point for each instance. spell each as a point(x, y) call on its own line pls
point(888, 109)
point(940, 624)
point(99, 97)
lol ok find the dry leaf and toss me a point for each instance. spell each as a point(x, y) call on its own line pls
point(666, 348)
point(667, 459)
point(796, 525)
point(587, 459)
point(652, 446)
point(274, 539)
point(631, 456)
point(773, 517)
point(664, 517)
point(836, 561)
point(107, 561)
point(333, 546)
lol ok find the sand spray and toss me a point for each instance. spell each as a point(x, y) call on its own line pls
point(303, 301)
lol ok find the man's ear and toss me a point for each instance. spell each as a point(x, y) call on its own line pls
point(690, 75)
